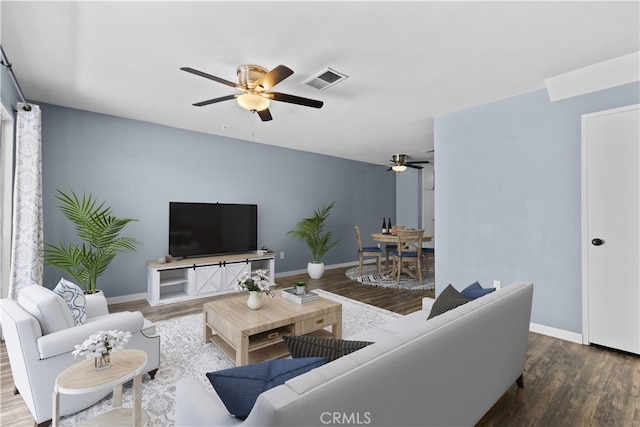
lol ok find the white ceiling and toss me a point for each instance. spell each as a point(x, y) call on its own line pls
point(406, 61)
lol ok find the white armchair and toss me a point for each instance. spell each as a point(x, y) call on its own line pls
point(40, 334)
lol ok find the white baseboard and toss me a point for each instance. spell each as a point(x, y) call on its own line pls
point(556, 333)
point(326, 267)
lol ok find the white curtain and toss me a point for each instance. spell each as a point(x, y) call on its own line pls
point(27, 234)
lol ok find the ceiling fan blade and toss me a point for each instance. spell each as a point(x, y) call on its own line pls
point(214, 100)
point(409, 165)
point(293, 99)
point(419, 161)
point(209, 76)
point(273, 77)
point(265, 115)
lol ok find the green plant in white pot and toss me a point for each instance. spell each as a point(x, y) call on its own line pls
point(311, 231)
point(99, 231)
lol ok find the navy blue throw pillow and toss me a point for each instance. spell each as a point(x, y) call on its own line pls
point(239, 387)
point(474, 291)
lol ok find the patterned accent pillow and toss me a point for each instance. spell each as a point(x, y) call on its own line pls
point(448, 299)
point(310, 346)
point(74, 297)
point(239, 387)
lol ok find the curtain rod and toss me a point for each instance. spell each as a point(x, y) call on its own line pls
point(7, 65)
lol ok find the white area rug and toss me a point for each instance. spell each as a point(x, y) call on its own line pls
point(371, 277)
point(183, 353)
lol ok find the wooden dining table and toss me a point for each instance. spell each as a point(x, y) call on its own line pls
point(392, 238)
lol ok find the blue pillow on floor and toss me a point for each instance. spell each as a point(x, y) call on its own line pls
point(239, 387)
point(474, 291)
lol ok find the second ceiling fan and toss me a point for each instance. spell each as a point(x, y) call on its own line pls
point(399, 163)
point(256, 81)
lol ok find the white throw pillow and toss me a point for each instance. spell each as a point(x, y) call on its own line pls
point(74, 297)
point(50, 309)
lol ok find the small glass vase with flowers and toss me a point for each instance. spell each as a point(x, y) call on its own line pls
point(100, 346)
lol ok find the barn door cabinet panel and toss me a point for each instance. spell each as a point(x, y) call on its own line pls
point(199, 277)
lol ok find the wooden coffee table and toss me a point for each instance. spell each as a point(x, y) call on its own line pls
point(252, 336)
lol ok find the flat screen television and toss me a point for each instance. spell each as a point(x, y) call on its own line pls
point(203, 229)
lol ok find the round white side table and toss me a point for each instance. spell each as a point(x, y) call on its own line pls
point(82, 377)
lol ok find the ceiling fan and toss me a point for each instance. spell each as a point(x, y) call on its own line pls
point(256, 81)
point(400, 163)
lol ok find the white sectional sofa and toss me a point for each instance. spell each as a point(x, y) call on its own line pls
point(448, 371)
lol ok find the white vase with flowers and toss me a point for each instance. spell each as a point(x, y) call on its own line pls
point(257, 284)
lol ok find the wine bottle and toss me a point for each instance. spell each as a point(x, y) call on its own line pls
point(384, 226)
point(389, 228)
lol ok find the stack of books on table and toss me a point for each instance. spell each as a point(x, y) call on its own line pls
point(306, 298)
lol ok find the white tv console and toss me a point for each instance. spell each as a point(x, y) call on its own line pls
point(200, 277)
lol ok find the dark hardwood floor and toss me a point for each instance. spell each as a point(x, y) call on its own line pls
point(566, 384)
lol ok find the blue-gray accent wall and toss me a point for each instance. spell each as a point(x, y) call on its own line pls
point(508, 200)
point(139, 167)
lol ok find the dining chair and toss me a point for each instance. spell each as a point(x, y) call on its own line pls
point(390, 247)
point(409, 252)
point(428, 258)
point(369, 251)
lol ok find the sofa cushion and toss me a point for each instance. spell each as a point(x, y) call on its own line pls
point(392, 327)
point(239, 387)
point(74, 297)
point(448, 299)
point(474, 291)
point(51, 311)
point(310, 346)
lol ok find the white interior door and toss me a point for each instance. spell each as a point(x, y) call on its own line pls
point(611, 228)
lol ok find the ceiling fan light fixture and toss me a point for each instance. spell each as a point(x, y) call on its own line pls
point(399, 168)
point(253, 102)
point(255, 83)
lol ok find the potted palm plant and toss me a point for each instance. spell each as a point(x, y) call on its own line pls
point(99, 231)
point(311, 231)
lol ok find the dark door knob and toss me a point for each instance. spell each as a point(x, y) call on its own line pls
point(597, 242)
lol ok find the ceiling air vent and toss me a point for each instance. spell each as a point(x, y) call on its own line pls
point(325, 78)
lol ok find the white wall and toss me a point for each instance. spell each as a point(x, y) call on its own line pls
point(428, 204)
point(6, 193)
point(408, 198)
